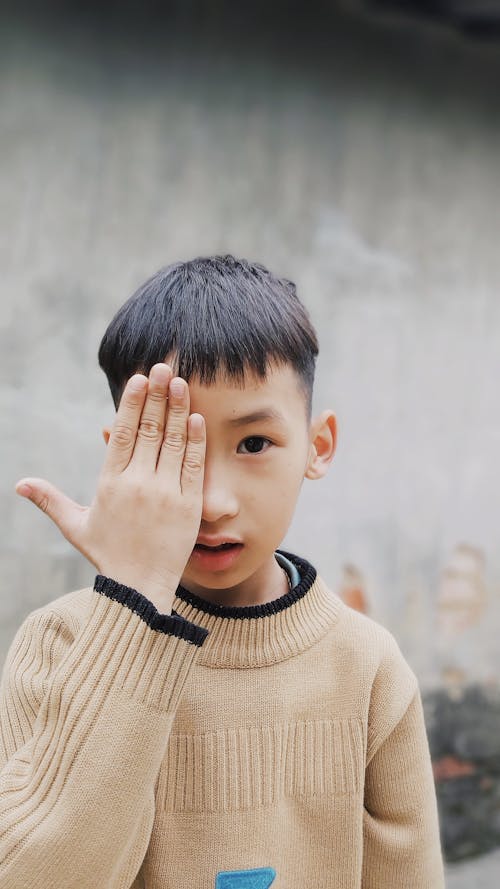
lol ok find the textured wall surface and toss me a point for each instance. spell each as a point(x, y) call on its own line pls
point(360, 160)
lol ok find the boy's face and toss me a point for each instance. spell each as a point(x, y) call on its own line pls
point(253, 475)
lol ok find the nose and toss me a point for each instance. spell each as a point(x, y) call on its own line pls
point(219, 497)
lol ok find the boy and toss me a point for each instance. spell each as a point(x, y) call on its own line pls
point(210, 715)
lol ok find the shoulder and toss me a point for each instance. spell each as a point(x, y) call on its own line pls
point(67, 613)
point(393, 685)
point(47, 631)
point(377, 638)
point(39, 646)
point(370, 667)
point(364, 641)
point(71, 608)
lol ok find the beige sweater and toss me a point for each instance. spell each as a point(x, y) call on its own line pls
point(214, 748)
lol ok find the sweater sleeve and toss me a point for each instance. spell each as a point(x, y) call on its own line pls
point(85, 720)
point(401, 838)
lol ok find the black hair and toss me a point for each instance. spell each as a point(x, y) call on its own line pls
point(209, 315)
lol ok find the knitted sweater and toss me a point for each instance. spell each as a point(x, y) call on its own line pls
point(218, 747)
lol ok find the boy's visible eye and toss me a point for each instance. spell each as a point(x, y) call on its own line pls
point(253, 444)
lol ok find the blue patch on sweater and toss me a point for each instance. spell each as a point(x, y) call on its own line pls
point(258, 878)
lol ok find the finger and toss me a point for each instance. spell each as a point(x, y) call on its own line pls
point(152, 423)
point(193, 465)
point(63, 511)
point(175, 438)
point(124, 432)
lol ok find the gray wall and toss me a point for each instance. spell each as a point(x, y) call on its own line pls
point(359, 159)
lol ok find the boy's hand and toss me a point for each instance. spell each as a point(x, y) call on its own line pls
point(144, 520)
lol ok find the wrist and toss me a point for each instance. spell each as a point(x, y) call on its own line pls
point(171, 624)
point(160, 595)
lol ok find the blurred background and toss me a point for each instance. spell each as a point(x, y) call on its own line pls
point(353, 147)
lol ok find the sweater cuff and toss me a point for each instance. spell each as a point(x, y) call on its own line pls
point(171, 624)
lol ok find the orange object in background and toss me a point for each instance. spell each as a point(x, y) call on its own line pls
point(352, 589)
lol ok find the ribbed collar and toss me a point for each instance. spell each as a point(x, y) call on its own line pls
point(260, 635)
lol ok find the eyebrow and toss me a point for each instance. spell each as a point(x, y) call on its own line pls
point(269, 413)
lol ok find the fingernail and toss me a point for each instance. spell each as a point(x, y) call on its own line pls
point(137, 383)
point(177, 387)
point(196, 423)
point(24, 490)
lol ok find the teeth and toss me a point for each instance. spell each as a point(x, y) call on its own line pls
point(214, 548)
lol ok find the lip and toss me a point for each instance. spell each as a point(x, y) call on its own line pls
point(216, 541)
point(218, 560)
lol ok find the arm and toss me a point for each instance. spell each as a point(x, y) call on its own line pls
point(401, 840)
point(86, 715)
point(84, 726)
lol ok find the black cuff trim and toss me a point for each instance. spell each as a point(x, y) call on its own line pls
point(170, 624)
point(307, 573)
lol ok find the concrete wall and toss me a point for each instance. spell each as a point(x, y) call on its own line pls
point(360, 160)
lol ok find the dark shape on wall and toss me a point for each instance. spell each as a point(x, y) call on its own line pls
point(464, 740)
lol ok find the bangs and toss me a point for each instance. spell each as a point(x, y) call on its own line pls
point(210, 316)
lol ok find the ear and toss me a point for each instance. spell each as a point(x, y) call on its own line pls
point(106, 432)
point(323, 441)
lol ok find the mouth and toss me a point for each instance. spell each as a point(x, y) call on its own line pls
point(218, 548)
point(216, 558)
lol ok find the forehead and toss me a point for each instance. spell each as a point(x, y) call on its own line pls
point(279, 391)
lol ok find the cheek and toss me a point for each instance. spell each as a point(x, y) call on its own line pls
point(281, 492)
point(277, 480)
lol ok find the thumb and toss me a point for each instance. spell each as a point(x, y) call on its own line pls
point(63, 511)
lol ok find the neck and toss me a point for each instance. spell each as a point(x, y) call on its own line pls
point(263, 634)
point(268, 583)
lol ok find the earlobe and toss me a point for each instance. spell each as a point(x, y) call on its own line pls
point(323, 445)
